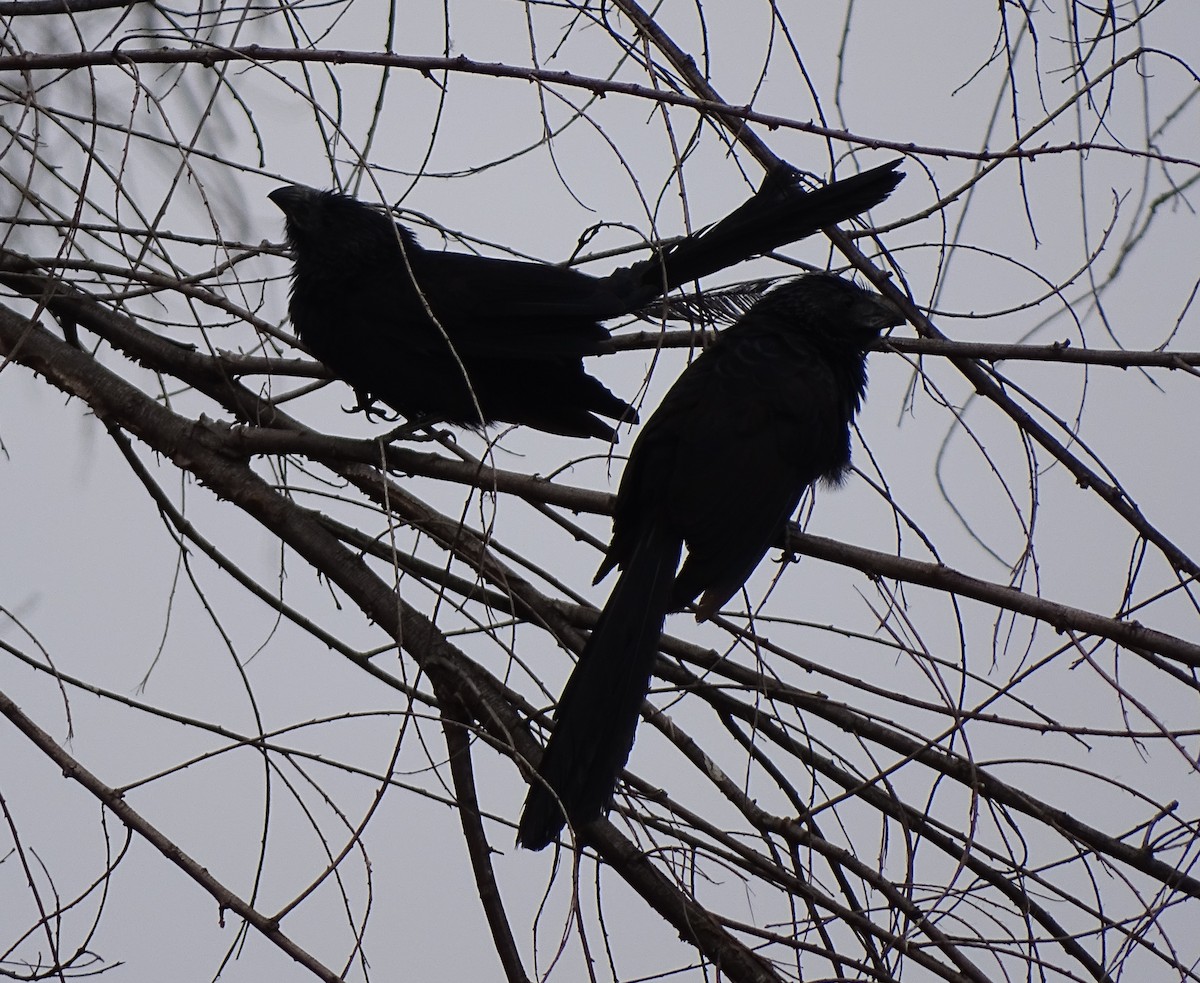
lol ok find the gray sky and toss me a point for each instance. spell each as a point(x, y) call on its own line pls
point(97, 580)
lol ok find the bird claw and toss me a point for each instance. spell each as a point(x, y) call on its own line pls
point(368, 405)
point(417, 430)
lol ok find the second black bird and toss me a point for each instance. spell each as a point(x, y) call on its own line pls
point(470, 340)
point(757, 418)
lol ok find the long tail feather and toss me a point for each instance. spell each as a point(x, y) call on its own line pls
point(781, 212)
point(597, 714)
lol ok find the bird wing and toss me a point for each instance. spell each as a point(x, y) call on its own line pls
point(724, 460)
point(508, 309)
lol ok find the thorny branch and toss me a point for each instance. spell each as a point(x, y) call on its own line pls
point(983, 777)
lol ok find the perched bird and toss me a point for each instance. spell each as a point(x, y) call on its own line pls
point(757, 418)
point(469, 340)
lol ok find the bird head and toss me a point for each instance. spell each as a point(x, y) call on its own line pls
point(328, 227)
point(838, 309)
point(297, 201)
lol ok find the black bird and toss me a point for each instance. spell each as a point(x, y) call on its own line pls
point(757, 418)
point(469, 340)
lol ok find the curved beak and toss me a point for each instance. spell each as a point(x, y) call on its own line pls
point(291, 198)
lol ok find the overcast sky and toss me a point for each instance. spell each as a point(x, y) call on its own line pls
point(101, 589)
